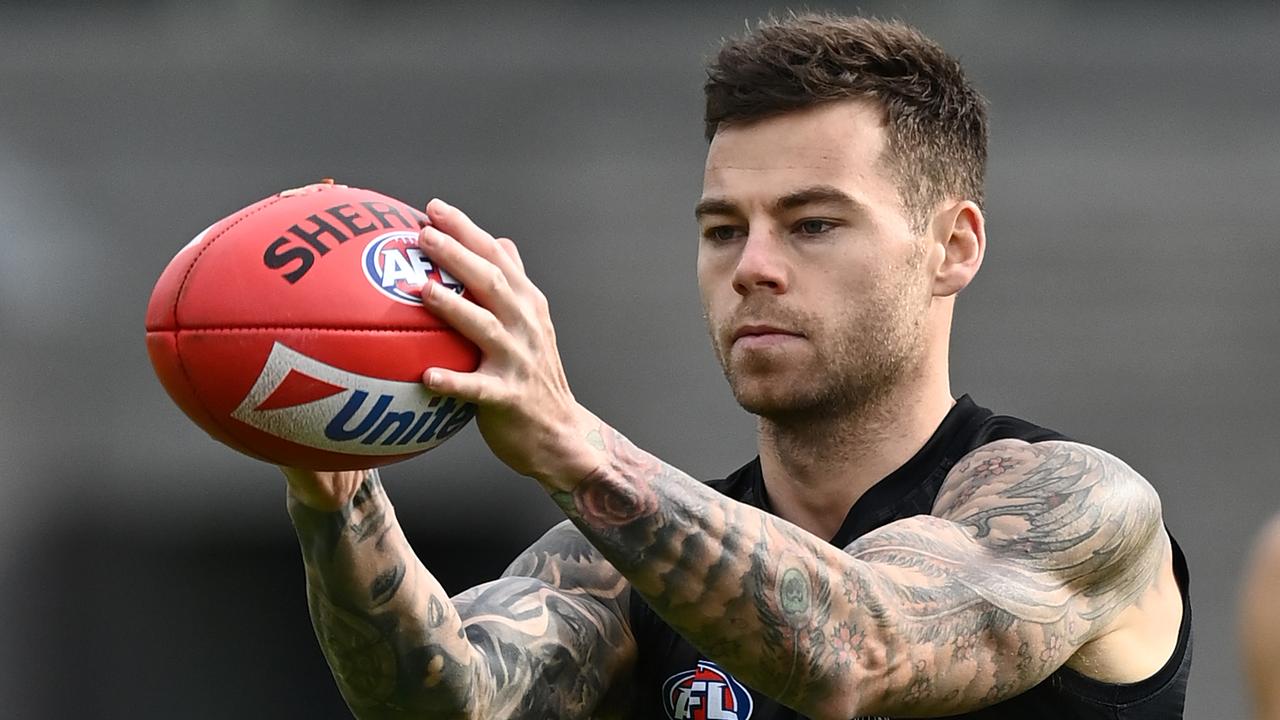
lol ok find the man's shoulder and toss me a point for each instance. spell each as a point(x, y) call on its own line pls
point(1053, 470)
point(1062, 506)
point(1005, 448)
point(989, 426)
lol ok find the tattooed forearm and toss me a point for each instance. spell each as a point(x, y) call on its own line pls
point(370, 600)
point(1036, 549)
point(751, 590)
point(548, 644)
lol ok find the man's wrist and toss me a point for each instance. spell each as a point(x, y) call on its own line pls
point(330, 494)
point(579, 450)
point(298, 499)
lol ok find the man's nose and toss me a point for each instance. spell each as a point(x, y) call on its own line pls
point(761, 266)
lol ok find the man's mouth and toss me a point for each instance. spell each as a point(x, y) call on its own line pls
point(759, 335)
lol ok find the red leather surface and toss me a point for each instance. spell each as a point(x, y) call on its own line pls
point(218, 309)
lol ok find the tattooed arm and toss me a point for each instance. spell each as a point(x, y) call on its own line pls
point(1033, 551)
point(547, 639)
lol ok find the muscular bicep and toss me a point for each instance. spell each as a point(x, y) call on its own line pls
point(1033, 550)
point(554, 626)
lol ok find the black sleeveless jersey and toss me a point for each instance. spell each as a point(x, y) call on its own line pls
point(676, 682)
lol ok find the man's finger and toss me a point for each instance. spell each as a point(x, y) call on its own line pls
point(482, 279)
point(466, 386)
point(474, 322)
point(452, 221)
point(508, 245)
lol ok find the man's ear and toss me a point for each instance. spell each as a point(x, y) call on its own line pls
point(960, 231)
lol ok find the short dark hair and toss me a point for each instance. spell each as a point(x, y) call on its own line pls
point(936, 121)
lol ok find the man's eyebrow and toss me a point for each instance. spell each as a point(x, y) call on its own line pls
point(714, 206)
point(825, 194)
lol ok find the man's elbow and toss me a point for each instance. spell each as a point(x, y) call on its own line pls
point(856, 690)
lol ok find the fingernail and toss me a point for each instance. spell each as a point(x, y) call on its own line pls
point(427, 288)
point(430, 377)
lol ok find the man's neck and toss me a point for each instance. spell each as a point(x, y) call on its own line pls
point(817, 469)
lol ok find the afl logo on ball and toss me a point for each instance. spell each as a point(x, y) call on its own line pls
point(397, 268)
point(705, 693)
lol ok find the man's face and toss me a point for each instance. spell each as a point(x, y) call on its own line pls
point(814, 285)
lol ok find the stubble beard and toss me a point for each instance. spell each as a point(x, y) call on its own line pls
point(857, 358)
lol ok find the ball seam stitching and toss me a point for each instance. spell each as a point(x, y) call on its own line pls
point(177, 298)
point(239, 328)
point(182, 286)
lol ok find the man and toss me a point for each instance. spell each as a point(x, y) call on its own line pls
point(1259, 627)
point(892, 551)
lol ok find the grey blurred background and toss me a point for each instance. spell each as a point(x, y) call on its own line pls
point(1129, 295)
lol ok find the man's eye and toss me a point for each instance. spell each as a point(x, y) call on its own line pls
point(814, 227)
point(721, 233)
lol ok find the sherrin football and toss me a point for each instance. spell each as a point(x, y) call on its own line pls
point(294, 332)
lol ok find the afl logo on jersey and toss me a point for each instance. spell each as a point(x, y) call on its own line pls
point(705, 693)
point(397, 268)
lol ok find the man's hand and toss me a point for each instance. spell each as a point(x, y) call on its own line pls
point(526, 414)
point(323, 491)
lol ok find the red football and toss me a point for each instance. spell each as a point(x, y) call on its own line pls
point(294, 331)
